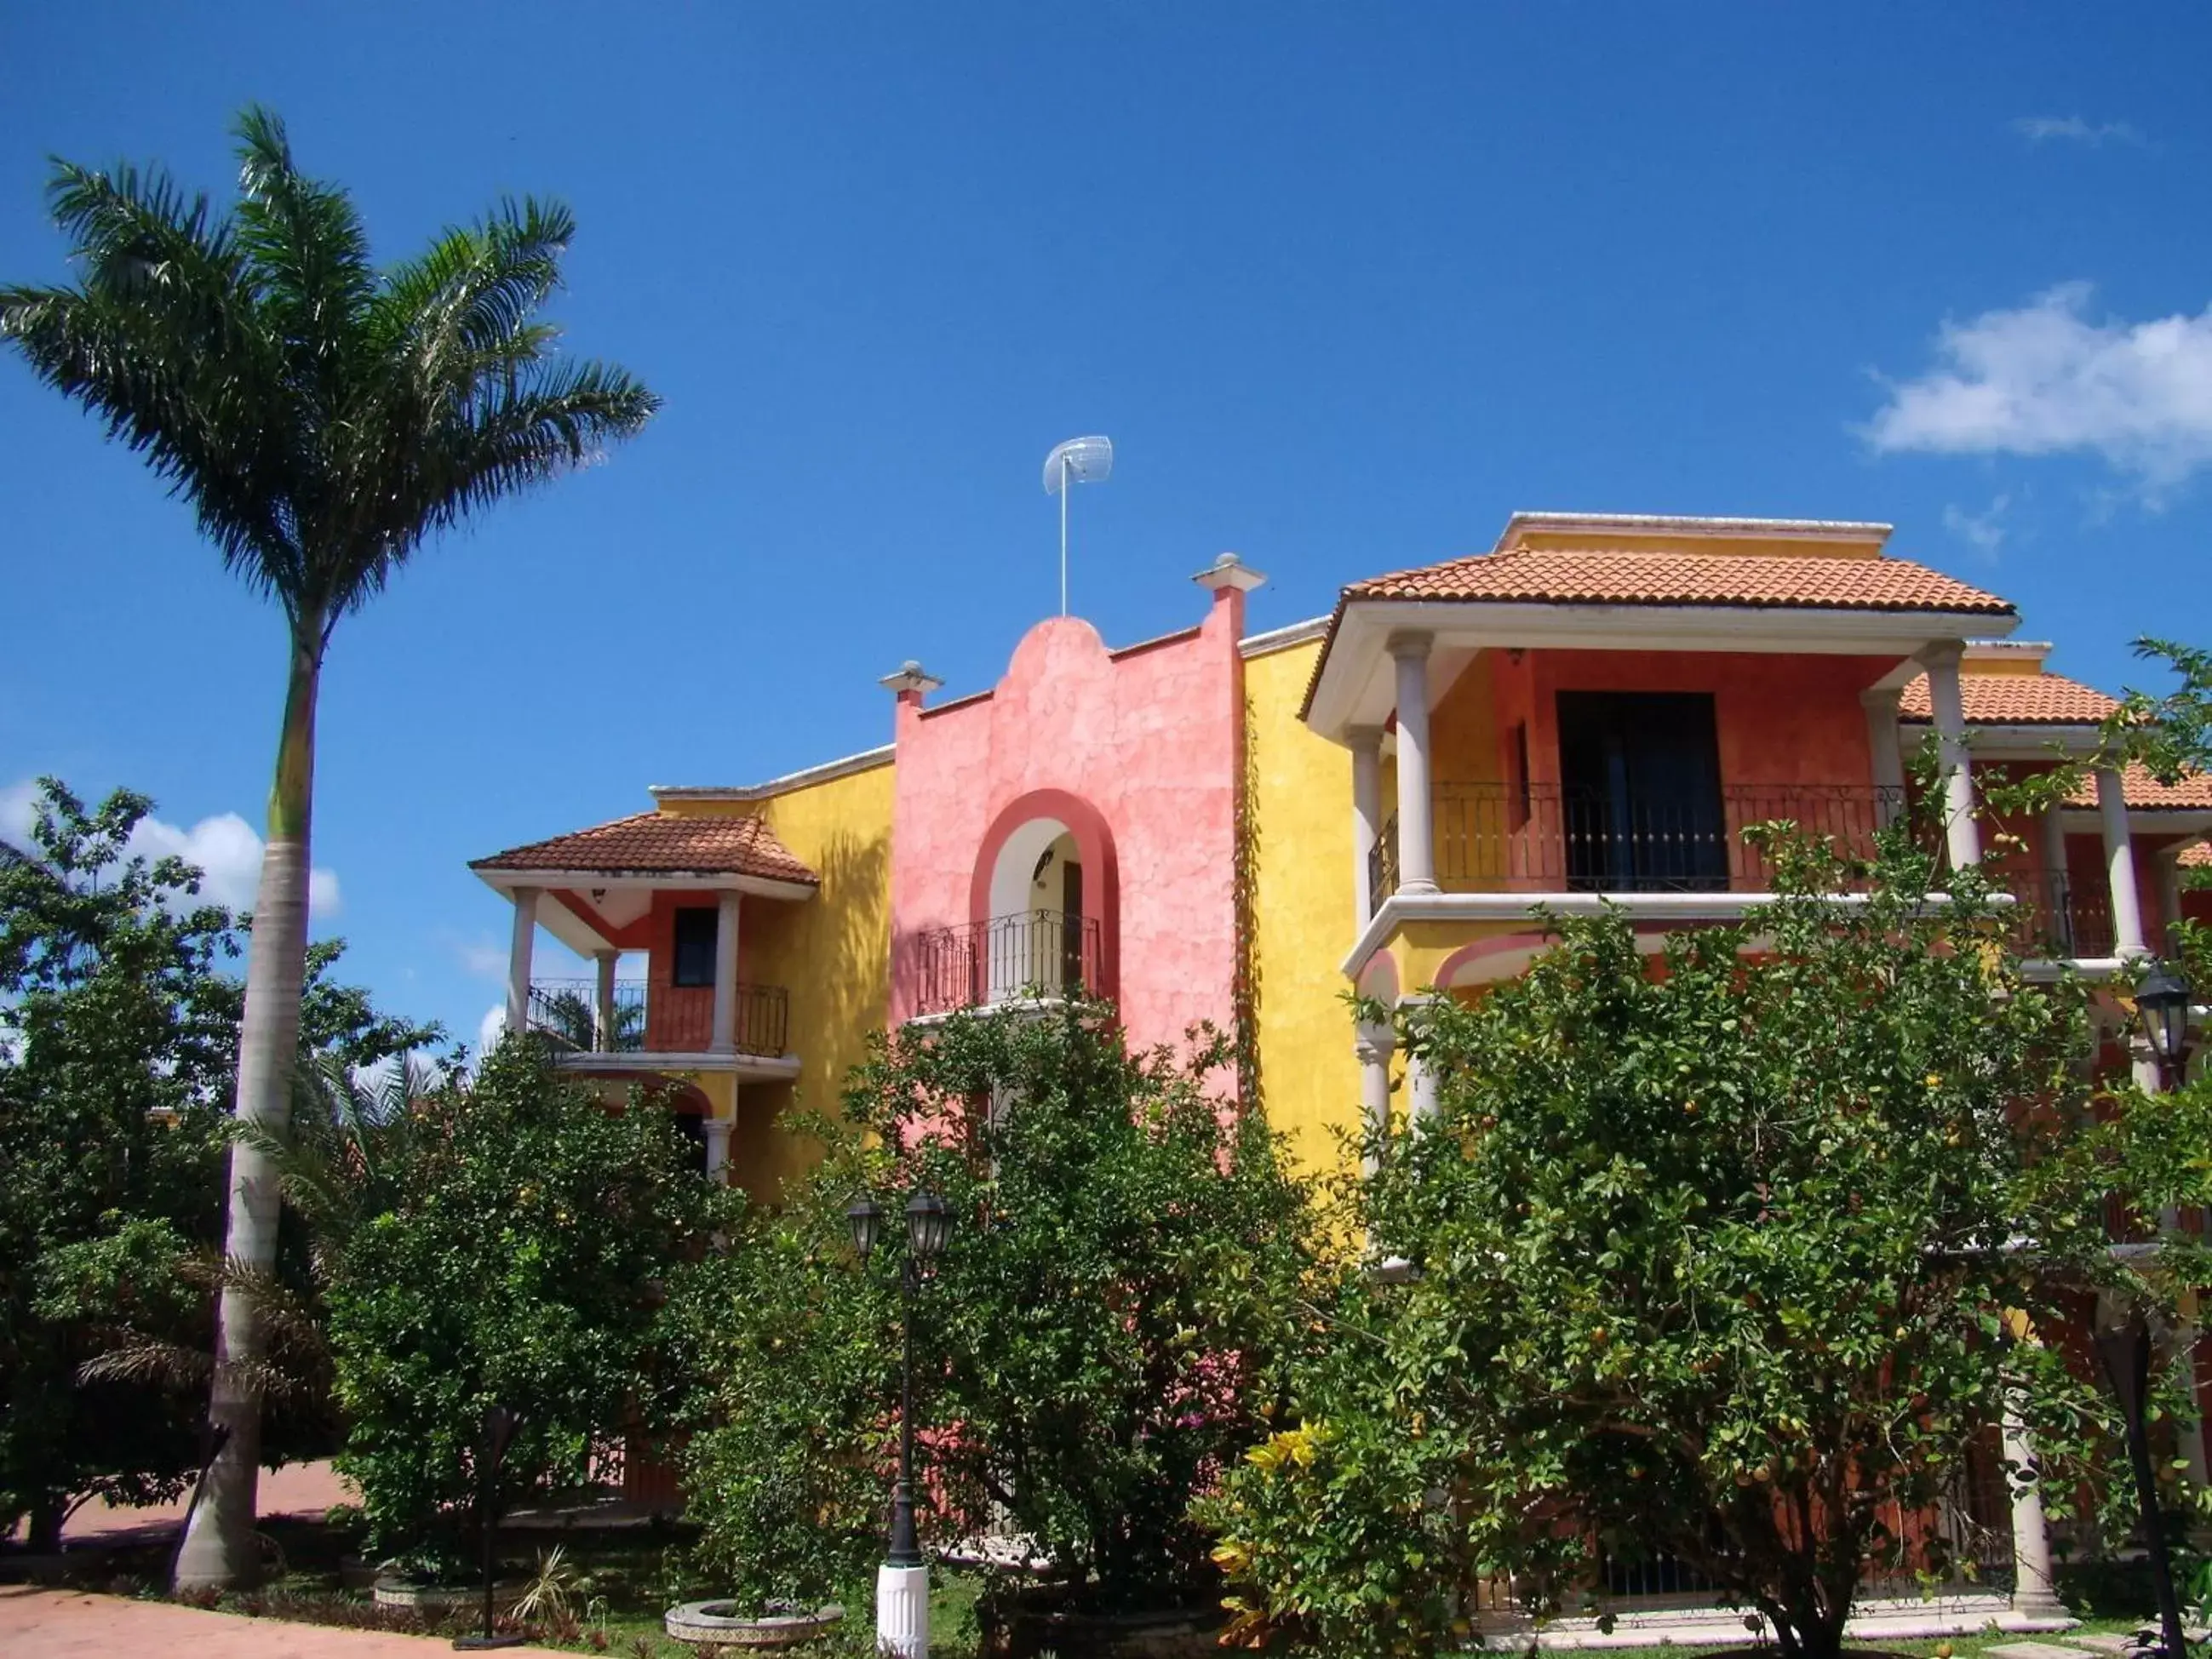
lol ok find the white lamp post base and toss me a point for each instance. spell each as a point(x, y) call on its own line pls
point(902, 1612)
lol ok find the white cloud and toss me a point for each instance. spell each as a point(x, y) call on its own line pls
point(482, 958)
point(18, 810)
point(2045, 379)
point(224, 848)
point(1983, 531)
point(2073, 129)
point(491, 1028)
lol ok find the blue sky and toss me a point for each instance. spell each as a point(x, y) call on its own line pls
point(1346, 285)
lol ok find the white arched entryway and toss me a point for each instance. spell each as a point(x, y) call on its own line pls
point(1034, 941)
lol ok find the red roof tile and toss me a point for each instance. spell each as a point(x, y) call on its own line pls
point(2145, 793)
point(2016, 700)
point(1809, 582)
point(660, 843)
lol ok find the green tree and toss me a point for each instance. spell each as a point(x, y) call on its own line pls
point(786, 1348)
point(1088, 1348)
point(323, 419)
point(517, 1256)
point(119, 1047)
point(1733, 1257)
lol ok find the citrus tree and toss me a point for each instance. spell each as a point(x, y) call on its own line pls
point(323, 418)
point(1089, 1348)
point(516, 1252)
point(1734, 1254)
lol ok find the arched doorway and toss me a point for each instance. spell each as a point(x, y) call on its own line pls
point(1034, 939)
point(1042, 901)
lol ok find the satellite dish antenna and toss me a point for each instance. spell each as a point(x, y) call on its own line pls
point(1080, 460)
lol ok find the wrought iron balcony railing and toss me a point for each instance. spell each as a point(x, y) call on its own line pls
point(1033, 953)
point(2055, 916)
point(674, 1019)
point(1549, 838)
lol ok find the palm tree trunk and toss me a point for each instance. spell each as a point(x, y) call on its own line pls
point(219, 1550)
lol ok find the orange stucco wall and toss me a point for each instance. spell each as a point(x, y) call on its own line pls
point(1781, 718)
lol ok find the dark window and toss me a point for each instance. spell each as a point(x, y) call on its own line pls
point(1639, 774)
point(1519, 781)
point(690, 1125)
point(1071, 927)
point(693, 959)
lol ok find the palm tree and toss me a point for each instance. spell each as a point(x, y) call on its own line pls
point(322, 418)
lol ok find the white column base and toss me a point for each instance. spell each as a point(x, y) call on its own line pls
point(2034, 1595)
point(902, 1612)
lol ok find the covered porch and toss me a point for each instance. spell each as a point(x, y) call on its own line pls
point(682, 892)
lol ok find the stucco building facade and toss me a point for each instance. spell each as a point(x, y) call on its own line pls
point(1240, 829)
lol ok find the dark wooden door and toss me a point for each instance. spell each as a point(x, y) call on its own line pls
point(1640, 806)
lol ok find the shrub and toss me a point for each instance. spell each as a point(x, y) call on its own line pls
point(1088, 1350)
point(519, 1265)
point(1721, 1256)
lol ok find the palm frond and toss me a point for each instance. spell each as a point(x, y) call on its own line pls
point(537, 426)
point(306, 252)
point(145, 1359)
point(321, 419)
point(471, 297)
point(162, 343)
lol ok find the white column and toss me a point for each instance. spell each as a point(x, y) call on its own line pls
point(1964, 835)
point(603, 1004)
point(2168, 865)
point(2034, 1595)
point(1366, 818)
point(519, 950)
point(1420, 1076)
point(1417, 855)
point(2119, 865)
point(725, 1039)
point(2057, 896)
point(902, 1612)
point(718, 1145)
point(1888, 755)
point(1372, 1046)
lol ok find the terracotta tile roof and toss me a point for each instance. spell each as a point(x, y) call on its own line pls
point(1809, 582)
point(2014, 700)
point(2199, 857)
point(661, 843)
point(2145, 793)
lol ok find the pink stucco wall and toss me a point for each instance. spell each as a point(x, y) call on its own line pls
point(1144, 745)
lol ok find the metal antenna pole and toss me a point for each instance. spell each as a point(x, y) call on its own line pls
point(1063, 535)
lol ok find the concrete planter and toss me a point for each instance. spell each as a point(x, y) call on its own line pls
point(716, 1623)
point(1030, 1626)
point(391, 1591)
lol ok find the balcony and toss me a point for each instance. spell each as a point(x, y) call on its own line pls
point(1548, 838)
point(679, 1020)
point(1033, 954)
point(2058, 918)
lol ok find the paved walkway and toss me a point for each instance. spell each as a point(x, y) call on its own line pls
point(297, 1489)
point(49, 1624)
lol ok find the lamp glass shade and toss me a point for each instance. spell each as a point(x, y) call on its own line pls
point(865, 1218)
point(2162, 1000)
point(928, 1224)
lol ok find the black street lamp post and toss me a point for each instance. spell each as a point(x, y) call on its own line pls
point(2162, 1002)
point(498, 1426)
point(904, 1628)
point(2126, 1350)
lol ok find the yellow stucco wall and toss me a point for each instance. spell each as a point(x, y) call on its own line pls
point(1301, 802)
point(831, 954)
point(1592, 539)
point(1463, 730)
